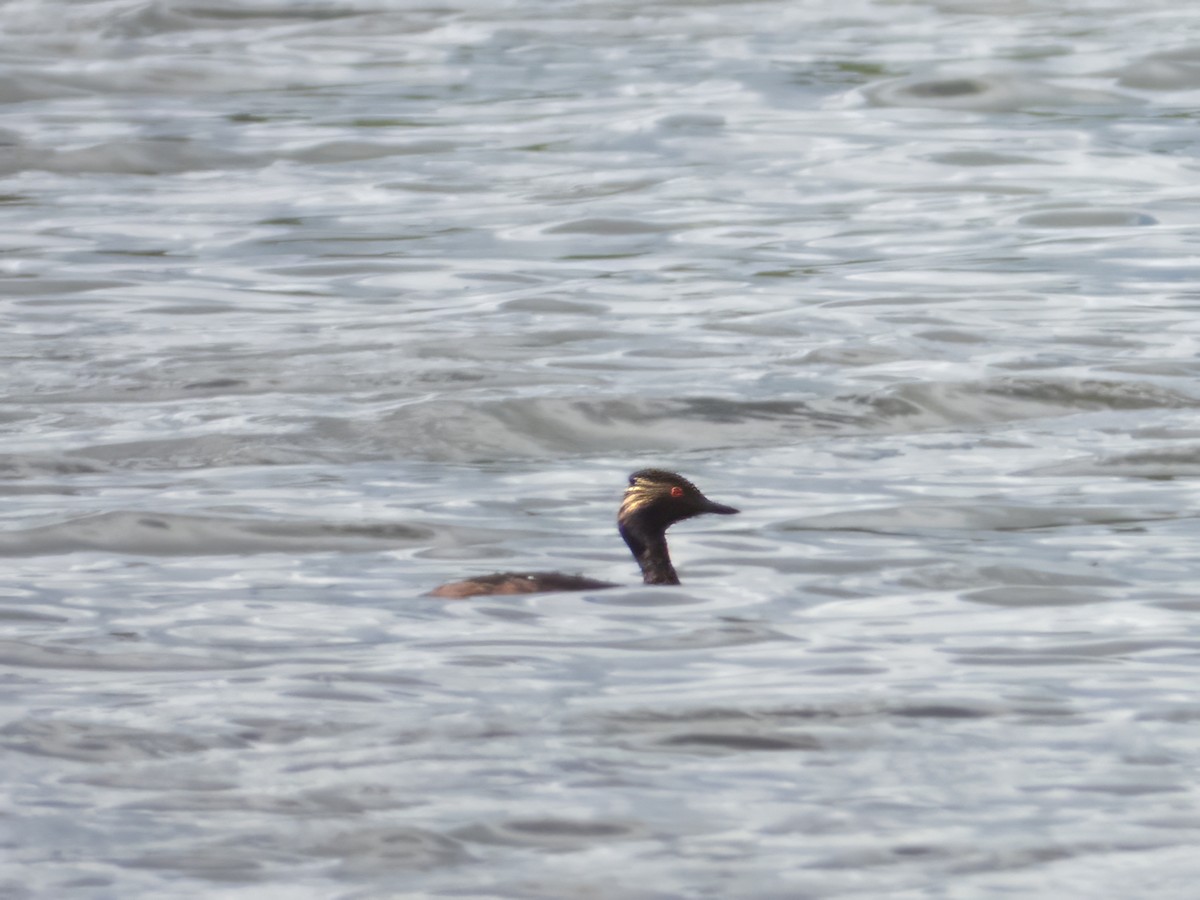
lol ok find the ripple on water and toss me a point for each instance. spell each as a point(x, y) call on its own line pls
point(55, 655)
point(1169, 70)
point(1035, 595)
point(382, 849)
point(97, 742)
point(167, 533)
point(995, 516)
point(552, 834)
point(538, 427)
point(731, 634)
point(990, 93)
point(1159, 464)
point(1087, 217)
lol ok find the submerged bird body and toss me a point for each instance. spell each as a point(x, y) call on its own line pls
point(654, 501)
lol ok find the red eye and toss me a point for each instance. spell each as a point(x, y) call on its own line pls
point(677, 491)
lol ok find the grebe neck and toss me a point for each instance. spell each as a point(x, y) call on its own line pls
point(652, 556)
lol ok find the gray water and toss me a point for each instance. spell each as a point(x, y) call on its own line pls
point(309, 307)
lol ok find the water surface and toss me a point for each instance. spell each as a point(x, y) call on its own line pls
point(309, 308)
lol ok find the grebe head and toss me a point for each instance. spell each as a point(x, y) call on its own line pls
point(654, 501)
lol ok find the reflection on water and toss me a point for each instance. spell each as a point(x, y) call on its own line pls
point(309, 309)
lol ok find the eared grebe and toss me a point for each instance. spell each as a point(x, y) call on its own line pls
point(654, 501)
